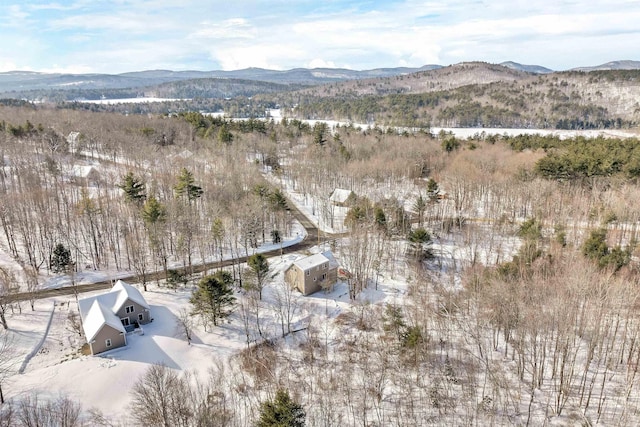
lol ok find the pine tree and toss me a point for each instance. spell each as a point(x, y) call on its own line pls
point(213, 298)
point(186, 186)
point(61, 259)
point(433, 189)
point(419, 243)
point(224, 135)
point(134, 190)
point(153, 212)
point(259, 270)
point(319, 133)
point(380, 218)
point(281, 412)
point(420, 206)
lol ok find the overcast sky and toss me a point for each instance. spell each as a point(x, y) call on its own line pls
point(115, 36)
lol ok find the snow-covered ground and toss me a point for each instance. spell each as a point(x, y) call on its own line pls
point(465, 133)
point(93, 276)
point(57, 367)
point(128, 100)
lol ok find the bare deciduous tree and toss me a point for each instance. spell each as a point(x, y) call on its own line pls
point(63, 412)
point(7, 360)
point(184, 325)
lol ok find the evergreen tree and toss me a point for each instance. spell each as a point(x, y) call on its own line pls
point(419, 243)
point(380, 218)
point(281, 412)
point(133, 188)
point(420, 205)
point(224, 135)
point(595, 248)
point(61, 259)
point(176, 277)
point(186, 186)
point(278, 200)
point(153, 212)
point(259, 270)
point(432, 190)
point(319, 133)
point(213, 298)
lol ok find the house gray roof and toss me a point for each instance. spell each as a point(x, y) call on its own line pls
point(99, 310)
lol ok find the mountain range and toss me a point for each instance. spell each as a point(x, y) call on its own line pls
point(17, 83)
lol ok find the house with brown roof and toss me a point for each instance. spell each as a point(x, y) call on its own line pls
point(107, 318)
point(312, 273)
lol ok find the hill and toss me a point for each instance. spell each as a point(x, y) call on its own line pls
point(23, 81)
point(537, 69)
point(613, 65)
point(481, 94)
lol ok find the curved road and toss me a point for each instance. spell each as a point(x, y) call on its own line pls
point(312, 238)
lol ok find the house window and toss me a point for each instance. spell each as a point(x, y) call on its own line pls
point(314, 279)
point(125, 321)
point(140, 317)
point(325, 265)
point(107, 342)
point(324, 276)
point(129, 309)
point(308, 271)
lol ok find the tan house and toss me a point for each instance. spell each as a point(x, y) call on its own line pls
point(312, 273)
point(107, 318)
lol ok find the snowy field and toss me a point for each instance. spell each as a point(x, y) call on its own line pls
point(51, 362)
point(141, 100)
point(465, 133)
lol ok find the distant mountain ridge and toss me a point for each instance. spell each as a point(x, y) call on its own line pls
point(613, 65)
point(536, 69)
point(26, 80)
point(58, 87)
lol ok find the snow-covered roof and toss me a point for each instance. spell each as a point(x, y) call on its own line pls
point(126, 291)
point(332, 260)
point(340, 195)
point(107, 300)
point(311, 261)
point(114, 299)
point(80, 171)
point(110, 302)
point(98, 316)
point(185, 154)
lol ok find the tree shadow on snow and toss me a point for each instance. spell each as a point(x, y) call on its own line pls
point(166, 324)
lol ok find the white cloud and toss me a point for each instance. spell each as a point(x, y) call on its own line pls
point(7, 65)
point(16, 12)
point(127, 35)
point(237, 28)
